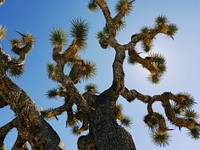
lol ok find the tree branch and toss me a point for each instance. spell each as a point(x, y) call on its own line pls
point(4, 131)
point(165, 99)
point(20, 143)
point(109, 21)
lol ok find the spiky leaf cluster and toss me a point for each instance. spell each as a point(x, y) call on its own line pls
point(79, 31)
point(2, 32)
point(124, 5)
point(160, 139)
point(53, 93)
point(151, 121)
point(126, 121)
point(102, 37)
point(146, 47)
point(121, 25)
point(58, 37)
point(147, 42)
point(16, 71)
point(190, 114)
point(159, 62)
point(51, 69)
point(91, 87)
point(119, 112)
point(183, 106)
point(195, 133)
point(155, 79)
point(90, 70)
point(172, 29)
point(27, 39)
point(131, 61)
point(15, 42)
point(145, 30)
point(185, 100)
point(92, 6)
point(161, 20)
point(166, 28)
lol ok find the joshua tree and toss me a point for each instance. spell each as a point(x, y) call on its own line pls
point(99, 113)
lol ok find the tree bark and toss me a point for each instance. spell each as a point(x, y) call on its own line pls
point(35, 129)
point(105, 133)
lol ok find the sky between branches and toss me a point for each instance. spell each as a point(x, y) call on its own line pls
point(182, 55)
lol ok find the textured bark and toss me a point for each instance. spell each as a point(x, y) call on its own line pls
point(105, 133)
point(36, 130)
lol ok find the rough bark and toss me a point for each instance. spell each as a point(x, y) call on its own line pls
point(29, 122)
point(38, 132)
point(104, 131)
point(107, 133)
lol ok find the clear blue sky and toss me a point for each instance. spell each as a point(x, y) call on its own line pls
point(182, 54)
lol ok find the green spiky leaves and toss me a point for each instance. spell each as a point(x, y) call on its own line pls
point(124, 5)
point(161, 20)
point(183, 106)
point(79, 31)
point(2, 32)
point(58, 37)
point(15, 42)
point(158, 61)
point(190, 114)
point(145, 30)
point(51, 94)
point(151, 121)
point(172, 29)
point(185, 101)
point(89, 71)
point(102, 37)
point(92, 6)
point(51, 69)
point(16, 71)
point(155, 79)
point(166, 28)
point(156, 123)
point(91, 88)
point(126, 121)
point(195, 133)
point(121, 25)
point(160, 139)
point(131, 61)
point(28, 39)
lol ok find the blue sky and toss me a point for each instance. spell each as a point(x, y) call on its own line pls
point(182, 54)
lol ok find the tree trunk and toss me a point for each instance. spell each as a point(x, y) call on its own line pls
point(104, 132)
point(35, 129)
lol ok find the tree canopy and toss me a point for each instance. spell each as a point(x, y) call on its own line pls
point(90, 108)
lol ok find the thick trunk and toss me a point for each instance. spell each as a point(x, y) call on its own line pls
point(105, 133)
point(35, 129)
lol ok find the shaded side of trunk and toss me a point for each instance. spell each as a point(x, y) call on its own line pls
point(107, 134)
